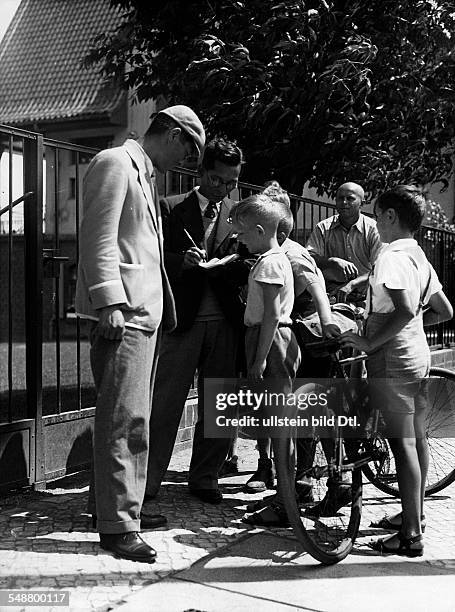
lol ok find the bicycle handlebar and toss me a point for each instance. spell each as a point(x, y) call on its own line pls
point(333, 345)
point(356, 359)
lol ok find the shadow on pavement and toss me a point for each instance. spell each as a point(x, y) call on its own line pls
point(273, 558)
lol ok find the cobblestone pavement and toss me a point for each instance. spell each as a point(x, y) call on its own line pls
point(46, 539)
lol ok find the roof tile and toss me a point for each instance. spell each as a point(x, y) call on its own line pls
point(40, 62)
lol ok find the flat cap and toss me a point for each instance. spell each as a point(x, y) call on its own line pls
point(189, 122)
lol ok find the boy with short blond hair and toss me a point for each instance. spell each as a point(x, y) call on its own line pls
point(271, 347)
point(310, 296)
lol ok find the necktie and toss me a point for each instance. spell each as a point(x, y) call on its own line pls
point(211, 211)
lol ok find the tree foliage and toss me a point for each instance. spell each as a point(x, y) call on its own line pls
point(436, 217)
point(317, 90)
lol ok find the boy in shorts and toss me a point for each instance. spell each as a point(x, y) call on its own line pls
point(310, 296)
point(271, 348)
point(404, 295)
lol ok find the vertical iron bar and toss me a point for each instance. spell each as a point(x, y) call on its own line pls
point(451, 284)
point(78, 322)
point(10, 280)
point(442, 273)
point(293, 234)
point(57, 278)
point(303, 234)
point(33, 236)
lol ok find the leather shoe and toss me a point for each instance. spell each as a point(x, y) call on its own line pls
point(148, 521)
point(304, 491)
point(208, 496)
point(337, 496)
point(229, 467)
point(262, 479)
point(152, 521)
point(128, 546)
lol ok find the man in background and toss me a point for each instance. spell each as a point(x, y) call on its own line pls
point(345, 246)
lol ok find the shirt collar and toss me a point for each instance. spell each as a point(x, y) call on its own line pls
point(286, 245)
point(358, 224)
point(272, 251)
point(204, 202)
point(398, 245)
point(148, 162)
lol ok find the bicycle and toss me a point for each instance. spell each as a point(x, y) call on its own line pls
point(330, 539)
point(439, 418)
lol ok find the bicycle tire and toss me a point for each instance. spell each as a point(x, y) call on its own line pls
point(328, 540)
point(440, 420)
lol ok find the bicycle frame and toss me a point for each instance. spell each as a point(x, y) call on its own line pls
point(340, 464)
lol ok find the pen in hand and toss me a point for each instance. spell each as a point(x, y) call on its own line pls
point(188, 235)
point(200, 252)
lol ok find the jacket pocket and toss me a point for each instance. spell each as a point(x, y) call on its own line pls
point(133, 283)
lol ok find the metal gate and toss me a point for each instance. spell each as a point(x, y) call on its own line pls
point(46, 391)
point(47, 396)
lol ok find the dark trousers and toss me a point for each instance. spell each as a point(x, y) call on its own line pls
point(210, 347)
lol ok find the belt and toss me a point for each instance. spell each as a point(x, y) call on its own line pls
point(259, 325)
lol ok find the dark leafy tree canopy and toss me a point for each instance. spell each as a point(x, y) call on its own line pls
point(313, 90)
point(436, 217)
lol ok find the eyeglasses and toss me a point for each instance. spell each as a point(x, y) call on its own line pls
point(217, 181)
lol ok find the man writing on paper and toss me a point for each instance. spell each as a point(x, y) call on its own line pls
point(196, 228)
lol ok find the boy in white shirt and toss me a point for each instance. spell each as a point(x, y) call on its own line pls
point(402, 283)
point(309, 296)
point(270, 345)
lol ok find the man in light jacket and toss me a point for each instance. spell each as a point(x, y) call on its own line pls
point(123, 288)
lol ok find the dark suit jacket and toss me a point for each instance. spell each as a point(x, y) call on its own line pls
point(181, 213)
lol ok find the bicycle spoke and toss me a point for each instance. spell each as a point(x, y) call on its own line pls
point(440, 425)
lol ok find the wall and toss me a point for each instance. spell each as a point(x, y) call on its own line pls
point(444, 358)
point(138, 121)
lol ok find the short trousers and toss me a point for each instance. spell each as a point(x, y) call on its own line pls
point(401, 366)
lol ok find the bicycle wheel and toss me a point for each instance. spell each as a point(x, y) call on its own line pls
point(440, 425)
point(327, 539)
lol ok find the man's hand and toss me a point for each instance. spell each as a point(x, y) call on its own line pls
point(257, 370)
point(346, 269)
point(111, 323)
point(193, 257)
point(355, 341)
